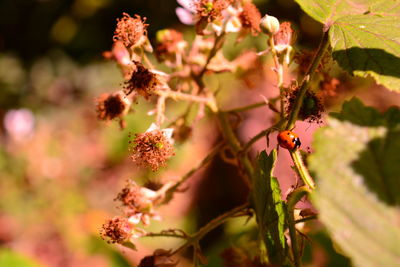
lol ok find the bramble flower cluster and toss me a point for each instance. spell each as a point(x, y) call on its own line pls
point(189, 63)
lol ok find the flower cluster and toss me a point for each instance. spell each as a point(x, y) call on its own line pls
point(137, 204)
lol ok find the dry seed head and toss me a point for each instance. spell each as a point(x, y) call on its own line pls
point(143, 81)
point(110, 106)
point(116, 230)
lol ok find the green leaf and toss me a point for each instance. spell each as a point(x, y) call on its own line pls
point(10, 258)
point(269, 207)
point(364, 35)
point(357, 166)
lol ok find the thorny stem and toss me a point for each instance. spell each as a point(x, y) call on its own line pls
point(235, 146)
point(210, 226)
point(214, 49)
point(184, 178)
point(302, 169)
point(166, 234)
point(209, 100)
point(248, 107)
point(308, 218)
point(260, 135)
point(279, 73)
point(306, 81)
point(293, 198)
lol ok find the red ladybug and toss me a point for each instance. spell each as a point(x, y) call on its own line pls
point(289, 140)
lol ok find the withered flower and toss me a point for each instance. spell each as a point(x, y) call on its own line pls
point(152, 148)
point(111, 106)
point(116, 230)
point(131, 31)
point(144, 81)
point(170, 47)
point(208, 11)
point(283, 38)
point(137, 203)
point(250, 18)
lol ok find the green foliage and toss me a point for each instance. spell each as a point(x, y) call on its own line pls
point(269, 207)
point(12, 259)
point(364, 36)
point(357, 166)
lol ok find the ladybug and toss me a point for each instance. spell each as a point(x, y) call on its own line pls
point(288, 140)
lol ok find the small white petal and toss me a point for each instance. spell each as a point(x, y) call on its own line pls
point(168, 132)
point(185, 16)
point(135, 219)
point(152, 127)
point(233, 25)
point(148, 193)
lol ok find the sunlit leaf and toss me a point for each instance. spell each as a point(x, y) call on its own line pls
point(364, 35)
point(357, 166)
point(270, 209)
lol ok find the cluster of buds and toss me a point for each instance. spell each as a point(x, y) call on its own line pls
point(281, 34)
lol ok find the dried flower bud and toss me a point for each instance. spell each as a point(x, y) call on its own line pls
point(269, 25)
point(116, 230)
point(133, 199)
point(170, 46)
point(283, 38)
point(143, 81)
point(131, 31)
point(152, 148)
point(250, 18)
point(110, 106)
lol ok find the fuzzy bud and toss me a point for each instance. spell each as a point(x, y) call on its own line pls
point(269, 25)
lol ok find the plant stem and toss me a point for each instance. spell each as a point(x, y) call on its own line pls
point(302, 169)
point(184, 178)
point(306, 81)
point(309, 218)
point(279, 73)
point(261, 134)
point(293, 198)
point(235, 145)
point(249, 107)
point(210, 226)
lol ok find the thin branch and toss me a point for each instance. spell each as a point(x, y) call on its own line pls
point(210, 226)
point(306, 81)
point(170, 192)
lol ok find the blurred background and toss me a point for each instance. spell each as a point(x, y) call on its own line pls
point(60, 168)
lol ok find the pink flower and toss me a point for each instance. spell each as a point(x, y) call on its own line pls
point(186, 12)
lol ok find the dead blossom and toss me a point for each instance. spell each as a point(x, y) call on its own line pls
point(131, 31)
point(143, 81)
point(132, 198)
point(170, 44)
point(211, 10)
point(111, 106)
point(284, 36)
point(152, 149)
point(116, 230)
point(250, 18)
